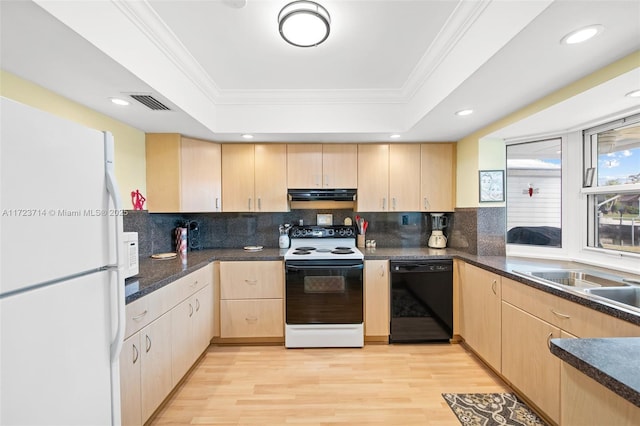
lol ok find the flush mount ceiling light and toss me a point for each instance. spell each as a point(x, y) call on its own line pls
point(464, 112)
point(394, 136)
point(581, 35)
point(304, 23)
point(247, 136)
point(634, 94)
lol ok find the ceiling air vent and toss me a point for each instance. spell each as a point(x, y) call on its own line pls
point(150, 102)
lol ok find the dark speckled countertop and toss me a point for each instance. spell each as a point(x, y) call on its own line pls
point(606, 360)
point(612, 362)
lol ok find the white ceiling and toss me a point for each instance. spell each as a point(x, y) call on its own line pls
point(387, 67)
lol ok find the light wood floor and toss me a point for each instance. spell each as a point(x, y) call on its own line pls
point(375, 385)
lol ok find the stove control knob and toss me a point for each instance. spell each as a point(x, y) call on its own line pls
point(341, 232)
point(330, 233)
point(296, 233)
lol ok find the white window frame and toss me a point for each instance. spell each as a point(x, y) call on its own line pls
point(602, 256)
point(574, 209)
point(545, 252)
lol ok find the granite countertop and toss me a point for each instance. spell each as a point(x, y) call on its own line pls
point(612, 362)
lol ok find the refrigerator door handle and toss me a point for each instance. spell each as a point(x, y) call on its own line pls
point(120, 314)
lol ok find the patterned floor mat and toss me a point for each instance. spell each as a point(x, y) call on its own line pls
point(491, 409)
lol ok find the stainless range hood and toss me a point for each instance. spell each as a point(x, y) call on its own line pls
point(322, 198)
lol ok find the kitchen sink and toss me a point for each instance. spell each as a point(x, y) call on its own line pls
point(577, 278)
point(626, 295)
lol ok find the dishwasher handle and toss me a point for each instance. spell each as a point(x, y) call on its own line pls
point(426, 267)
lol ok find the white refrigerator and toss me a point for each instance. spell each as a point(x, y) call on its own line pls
point(61, 281)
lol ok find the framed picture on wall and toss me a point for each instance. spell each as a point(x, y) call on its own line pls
point(491, 185)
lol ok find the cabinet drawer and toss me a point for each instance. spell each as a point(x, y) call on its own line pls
point(576, 319)
point(189, 284)
point(251, 318)
point(141, 312)
point(251, 280)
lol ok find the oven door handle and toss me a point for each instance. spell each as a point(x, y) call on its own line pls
point(302, 268)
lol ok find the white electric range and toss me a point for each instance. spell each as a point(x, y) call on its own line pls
point(324, 288)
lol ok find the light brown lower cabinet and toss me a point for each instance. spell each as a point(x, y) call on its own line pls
point(586, 402)
point(480, 299)
point(376, 299)
point(145, 367)
point(526, 360)
point(252, 300)
point(167, 331)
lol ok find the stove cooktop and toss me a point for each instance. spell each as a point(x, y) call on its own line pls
point(322, 243)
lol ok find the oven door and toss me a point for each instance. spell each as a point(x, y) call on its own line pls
point(324, 292)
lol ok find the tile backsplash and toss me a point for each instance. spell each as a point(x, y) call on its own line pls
point(235, 230)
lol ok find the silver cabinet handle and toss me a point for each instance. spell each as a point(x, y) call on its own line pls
point(136, 354)
point(426, 203)
point(259, 204)
point(394, 202)
point(493, 287)
point(190, 310)
point(251, 282)
point(148, 348)
point(384, 203)
point(193, 284)
point(560, 315)
point(249, 203)
point(197, 305)
point(217, 203)
point(381, 271)
point(549, 340)
point(251, 319)
point(326, 180)
point(139, 317)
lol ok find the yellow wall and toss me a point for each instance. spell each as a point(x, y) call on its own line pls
point(474, 152)
point(130, 161)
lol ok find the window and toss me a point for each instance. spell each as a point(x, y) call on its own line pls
point(612, 185)
point(534, 193)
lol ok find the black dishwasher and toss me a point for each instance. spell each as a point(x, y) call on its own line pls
point(421, 301)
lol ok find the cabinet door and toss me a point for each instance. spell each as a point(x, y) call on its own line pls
point(200, 183)
point(586, 402)
point(376, 297)
point(162, 152)
point(340, 166)
point(304, 166)
point(130, 403)
point(373, 177)
point(437, 177)
point(182, 338)
point(238, 178)
point(404, 177)
point(526, 360)
point(203, 324)
point(271, 178)
point(480, 313)
point(156, 384)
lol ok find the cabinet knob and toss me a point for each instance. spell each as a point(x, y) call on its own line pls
point(549, 340)
point(148, 339)
point(251, 319)
point(251, 282)
point(139, 317)
point(136, 353)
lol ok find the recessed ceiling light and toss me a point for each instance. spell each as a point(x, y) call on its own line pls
point(464, 112)
point(634, 94)
point(247, 136)
point(394, 136)
point(119, 101)
point(581, 35)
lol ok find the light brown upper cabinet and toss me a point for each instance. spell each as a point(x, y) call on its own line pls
point(254, 177)
point(388, 177)
point(183, 174)
point(437, 177)
point(322, 166)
